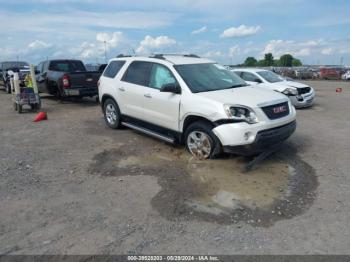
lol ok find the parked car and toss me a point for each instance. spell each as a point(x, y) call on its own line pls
point(301, 95)
point(346, 76)
point(65, 78)
point(190, 100)
point(8, 68)
point(329, 74)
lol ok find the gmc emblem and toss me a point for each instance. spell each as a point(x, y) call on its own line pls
point(279, 109)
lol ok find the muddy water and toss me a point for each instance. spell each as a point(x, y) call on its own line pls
point(217, 190)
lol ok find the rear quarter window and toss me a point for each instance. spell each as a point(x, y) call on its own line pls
point(113, 68)
point(138, 73)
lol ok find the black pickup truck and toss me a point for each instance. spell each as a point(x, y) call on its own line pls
point(65, 78)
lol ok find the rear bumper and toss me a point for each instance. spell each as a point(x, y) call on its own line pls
point(88, 91)
point(265, 139)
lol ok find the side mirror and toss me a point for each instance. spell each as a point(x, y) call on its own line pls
point(171, 88)
point(258, 80)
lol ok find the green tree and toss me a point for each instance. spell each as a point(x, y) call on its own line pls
point(250, 61)
point(286, 60)
point(296, 62)
point(261, 63)
point(268, 59)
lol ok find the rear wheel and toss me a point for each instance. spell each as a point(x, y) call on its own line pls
point(201, 142)
point(111, 113)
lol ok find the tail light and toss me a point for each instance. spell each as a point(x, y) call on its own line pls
point(66, 83)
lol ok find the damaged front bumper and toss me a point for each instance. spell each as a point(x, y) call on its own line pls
point(264, 140)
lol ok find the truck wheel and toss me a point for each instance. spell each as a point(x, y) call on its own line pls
point(111, 113)
point(201, 142)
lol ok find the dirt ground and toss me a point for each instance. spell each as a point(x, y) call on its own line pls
point(70, 185)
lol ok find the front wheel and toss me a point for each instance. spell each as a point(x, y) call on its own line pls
point(111, 113)
point(201, 142)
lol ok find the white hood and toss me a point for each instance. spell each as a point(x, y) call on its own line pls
point(248, 96)
point(293, 84)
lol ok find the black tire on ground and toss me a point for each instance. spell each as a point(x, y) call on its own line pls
point(110, 105)
point(205, 127)
point(20, 109)
point(15, 106)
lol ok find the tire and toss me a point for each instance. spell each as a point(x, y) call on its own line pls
point(20, 109)
point(201, 142)
point(112, 113)
point(15, 106)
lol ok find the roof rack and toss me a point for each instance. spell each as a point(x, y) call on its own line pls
point(122, 55)
point(161, 56)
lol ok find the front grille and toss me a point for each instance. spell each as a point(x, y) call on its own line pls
point(276, 111)
point(304, 90)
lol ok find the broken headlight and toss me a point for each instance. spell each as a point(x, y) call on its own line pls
point(290, 91)
point(240, 113)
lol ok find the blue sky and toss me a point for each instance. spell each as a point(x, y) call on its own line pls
point(315, 31)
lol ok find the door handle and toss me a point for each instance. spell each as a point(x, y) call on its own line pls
point(147, 95)
point(122, 89)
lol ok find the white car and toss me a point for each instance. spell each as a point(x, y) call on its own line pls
point(190, 100)
point(346, 76)
point(300, 94)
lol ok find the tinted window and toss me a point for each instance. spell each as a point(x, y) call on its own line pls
point(208, 77)
point(248, 76)
point(160, 75)
point(113, 68)
point(270, 76)
point(138, 73)
point(67, 66)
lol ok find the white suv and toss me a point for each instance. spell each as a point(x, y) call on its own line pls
point(190, 100)
point(300, 95)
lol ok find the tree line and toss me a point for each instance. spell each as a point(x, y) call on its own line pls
point(286, 60)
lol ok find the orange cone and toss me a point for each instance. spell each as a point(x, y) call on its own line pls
point(40, 117)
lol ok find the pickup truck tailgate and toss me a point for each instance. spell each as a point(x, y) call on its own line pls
point(84, 79)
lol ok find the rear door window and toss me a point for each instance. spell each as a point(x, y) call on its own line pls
point(138, 73)
point(248, 76)
point(160, 75)
point(113, 68)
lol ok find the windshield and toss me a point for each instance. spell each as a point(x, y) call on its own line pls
point(15, 64)
point(208, 77)
point(270, 76)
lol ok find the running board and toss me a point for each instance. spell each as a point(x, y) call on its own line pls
point(149, 132)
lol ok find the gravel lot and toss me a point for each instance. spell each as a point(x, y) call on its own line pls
point(70, 185)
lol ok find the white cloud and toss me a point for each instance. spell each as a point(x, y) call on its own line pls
point(298, 49)
point(149, 44)
point(234, 51)
point(327, 51)
point(112, 40)
point(37, 45)
point(240, 31)
point(200, 30)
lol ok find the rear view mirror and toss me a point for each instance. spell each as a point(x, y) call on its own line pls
point(171, 88)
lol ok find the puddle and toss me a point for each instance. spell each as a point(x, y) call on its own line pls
point(217, 190)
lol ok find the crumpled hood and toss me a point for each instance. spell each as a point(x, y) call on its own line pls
point(293, 84)
point(247, 96)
